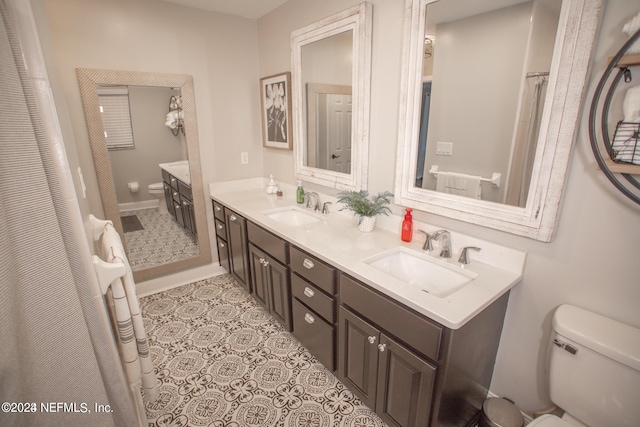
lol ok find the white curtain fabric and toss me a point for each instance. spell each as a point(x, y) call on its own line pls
point(55, 351)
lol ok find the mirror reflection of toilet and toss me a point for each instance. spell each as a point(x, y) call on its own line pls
point(593, 371)
point(157, 190)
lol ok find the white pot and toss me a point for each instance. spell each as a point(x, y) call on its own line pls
point(366, 223)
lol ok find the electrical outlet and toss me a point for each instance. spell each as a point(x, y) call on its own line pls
point(444, 148)
point(244, 158)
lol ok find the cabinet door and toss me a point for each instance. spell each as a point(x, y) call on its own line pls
point(259, 276)
point(279, 292)
point(177, 208)
point(168, 198)
point(238, 250)
point(223, 254)
point(189, 215)
point(405, 386)
point(358, 356)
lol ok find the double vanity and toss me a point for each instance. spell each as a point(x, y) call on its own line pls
point(413, 335)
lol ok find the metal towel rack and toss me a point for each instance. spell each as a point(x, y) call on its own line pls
point(494, 180)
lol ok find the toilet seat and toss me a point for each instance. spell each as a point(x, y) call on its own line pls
point(156, 188)
point(549, 421)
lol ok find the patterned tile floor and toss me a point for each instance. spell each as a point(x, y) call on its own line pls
point(223, 361)
point(161, 241)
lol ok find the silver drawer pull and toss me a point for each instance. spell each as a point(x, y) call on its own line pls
point(309, 292)
point(173, 180)
point(219, 226)
point(221, 245)
point(266, 263)
point(175, 193)
point(233, 218)
point(261, 261)
point(218, 208)
point(308, 264)
point(371, 339)
point(382, 347)
point(309, 318)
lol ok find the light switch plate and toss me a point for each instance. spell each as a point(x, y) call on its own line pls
point(444, 148)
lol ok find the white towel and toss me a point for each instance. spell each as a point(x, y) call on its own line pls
point(135, 348)
point(459, 184)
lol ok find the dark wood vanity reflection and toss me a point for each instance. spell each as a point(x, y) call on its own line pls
point(179, 199)
point(409, 369)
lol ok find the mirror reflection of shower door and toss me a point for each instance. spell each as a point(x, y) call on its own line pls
point(338, 131)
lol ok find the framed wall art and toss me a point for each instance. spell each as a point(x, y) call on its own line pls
point(275, 97)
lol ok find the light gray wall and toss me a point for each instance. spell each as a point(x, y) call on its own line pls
point(593, 260)
point(219, 51)
point(154, 144)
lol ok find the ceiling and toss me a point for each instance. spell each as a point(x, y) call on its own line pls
point(252, 9)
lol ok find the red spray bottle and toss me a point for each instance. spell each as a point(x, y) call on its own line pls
point(407, 226)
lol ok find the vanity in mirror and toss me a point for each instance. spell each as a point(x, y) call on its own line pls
point(144, 142)
point(491, 95)
point(331, 63)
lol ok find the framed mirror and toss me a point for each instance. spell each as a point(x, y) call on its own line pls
point(144, 140)
point(490, 100)
point(331, 75)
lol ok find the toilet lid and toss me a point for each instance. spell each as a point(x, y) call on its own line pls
point(548, 421)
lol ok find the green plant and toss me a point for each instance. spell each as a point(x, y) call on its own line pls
point(361, 204)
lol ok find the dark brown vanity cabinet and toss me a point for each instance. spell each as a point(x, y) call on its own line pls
point(313, 285)
point(221, 236)
point(268, 259)
point(179, 199)
point(411, 370)
point(236, 227)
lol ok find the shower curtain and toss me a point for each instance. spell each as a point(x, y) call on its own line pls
point(58, 359)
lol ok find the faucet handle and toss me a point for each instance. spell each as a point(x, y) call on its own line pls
point(325, 207)
point(464, 254)
point(428, 244)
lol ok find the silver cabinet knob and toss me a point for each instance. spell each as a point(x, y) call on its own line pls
point(220, 227)
point(233, 218)
point(371, 339)
point(261, 261)
point(218, 208)
point(382, 347)
point(309, 318)
point(265, 263)
point(309, 292)
point(221, 245)
point(308, 264)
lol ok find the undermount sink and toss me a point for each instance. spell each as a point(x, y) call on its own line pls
point(428, 274)
point(292, 217)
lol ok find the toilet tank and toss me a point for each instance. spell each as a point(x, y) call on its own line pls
point(594, 368)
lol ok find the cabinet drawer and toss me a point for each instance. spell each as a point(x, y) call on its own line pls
point(221, 230)
point(185, 190)
point(414, 330)
point(166, 177)
point(314, 333)
point(314, 298)
point(218, 211)
point(273, 245)
point(315, 271)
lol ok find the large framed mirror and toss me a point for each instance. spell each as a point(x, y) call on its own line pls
point(490, 101)
point(144, 140)
point(331, 75)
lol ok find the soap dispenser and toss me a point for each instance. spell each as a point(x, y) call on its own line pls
point(407, 226)
point(300, 193)
point(272, 188)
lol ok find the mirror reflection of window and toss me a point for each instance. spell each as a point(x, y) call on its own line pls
point(116, 116)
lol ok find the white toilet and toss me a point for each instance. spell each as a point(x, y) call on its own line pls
point(157, 190)
point(594, 371)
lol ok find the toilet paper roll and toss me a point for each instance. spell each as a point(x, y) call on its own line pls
point(134, 187)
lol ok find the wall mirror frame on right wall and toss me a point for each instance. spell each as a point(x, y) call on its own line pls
point(577, 28)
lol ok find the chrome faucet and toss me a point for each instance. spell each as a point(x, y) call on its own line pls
point(308, 196)
point(325, 208)
point(464, 255)
point(446, 242)
point(428, 245)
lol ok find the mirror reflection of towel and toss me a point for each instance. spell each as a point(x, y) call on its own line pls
point(459, 184)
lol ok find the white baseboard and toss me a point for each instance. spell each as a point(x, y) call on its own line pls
point(133, 206)
point(165, 283)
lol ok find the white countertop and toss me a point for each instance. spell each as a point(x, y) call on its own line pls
point(179, 169)
point(336, 239)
